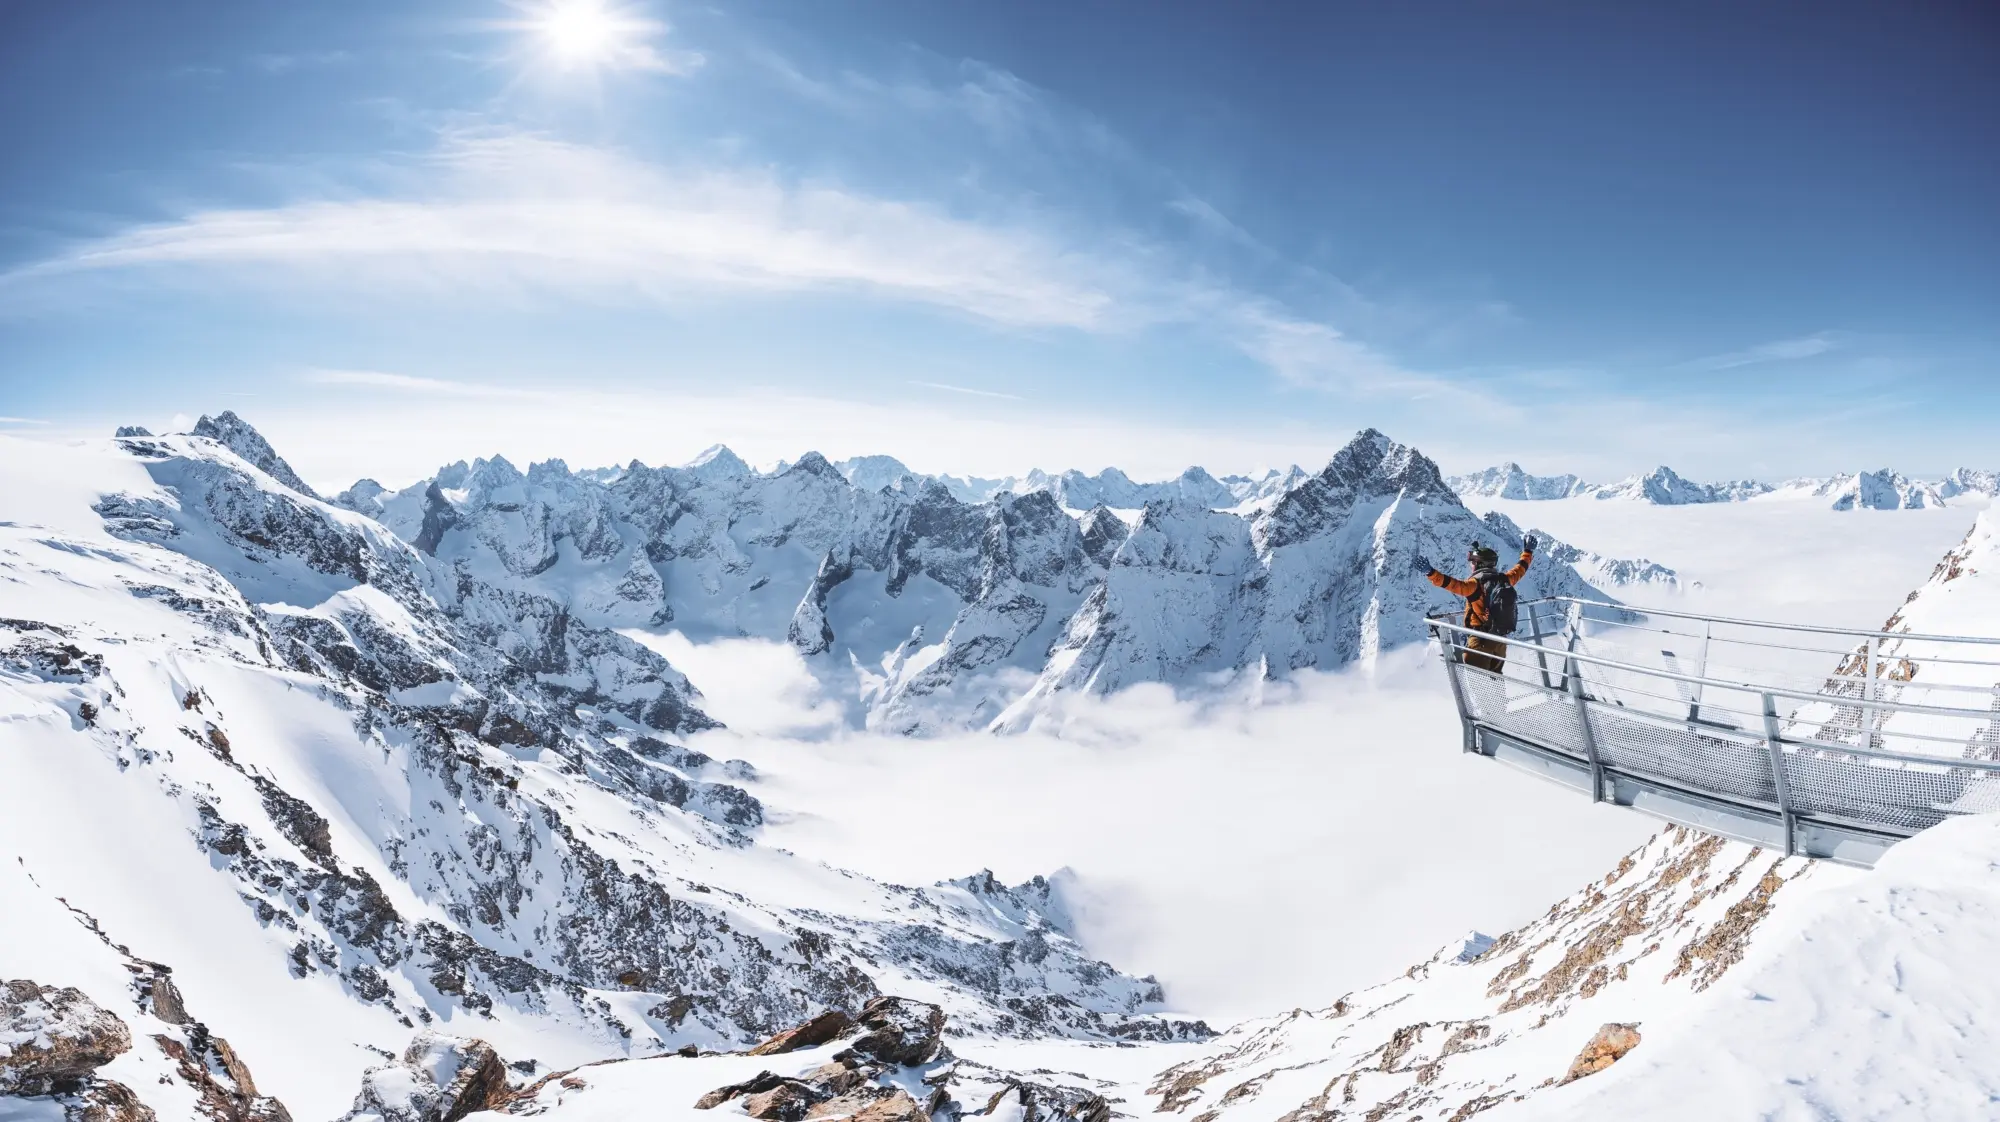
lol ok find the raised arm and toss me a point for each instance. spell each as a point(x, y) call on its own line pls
point(1454, 585)
point(1520, 570)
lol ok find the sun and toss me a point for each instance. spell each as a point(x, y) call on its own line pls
point(593, 34)
point(580, 31)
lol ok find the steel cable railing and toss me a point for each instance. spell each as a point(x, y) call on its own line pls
point(1837, 764)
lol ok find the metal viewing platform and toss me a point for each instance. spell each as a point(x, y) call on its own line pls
point(1818, 741)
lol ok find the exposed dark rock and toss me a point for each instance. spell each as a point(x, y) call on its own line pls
point(786, 1102)
point(811, 1034)
point(756, 1084)
point(1606, 1047)
point(104, 1100)
point(439, 1079)
point(235, 433)
point(896, 1030)
point(51, 1039)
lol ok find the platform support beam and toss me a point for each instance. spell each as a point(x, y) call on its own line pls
point(1774, 746)
point(1589, 737)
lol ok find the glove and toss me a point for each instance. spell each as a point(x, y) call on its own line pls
point(1422, 567)
point(1528, 544)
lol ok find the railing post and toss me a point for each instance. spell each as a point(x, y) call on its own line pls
point(1782, 786)
point(1870, 717)
point(1572, 625)
point(1589, 737)
point(1700, 670)
point(1445, 648)
point(1535, 636)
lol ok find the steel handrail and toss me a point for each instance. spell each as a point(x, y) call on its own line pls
point(1555, 696)
point(1706, 761)
point(1976, 640)
point(1832, 652)
point(1787, 692)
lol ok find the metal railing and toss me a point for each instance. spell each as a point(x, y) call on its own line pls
point(1757, 731)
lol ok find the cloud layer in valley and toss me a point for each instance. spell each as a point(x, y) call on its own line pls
point(1257, 849)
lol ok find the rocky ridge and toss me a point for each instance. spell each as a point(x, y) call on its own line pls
point(1608, 573)
point(934, 614)
point(1491, 1022)
point(887, 1063)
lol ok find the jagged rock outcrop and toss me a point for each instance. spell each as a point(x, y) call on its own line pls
point(894, 1044)
point(235, 434)
point(1606, 1047)
point(53, 1039)
point(438, 1079)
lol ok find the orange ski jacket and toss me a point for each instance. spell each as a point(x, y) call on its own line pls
point(1475, 604)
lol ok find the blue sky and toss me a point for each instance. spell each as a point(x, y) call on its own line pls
point(1742, 239)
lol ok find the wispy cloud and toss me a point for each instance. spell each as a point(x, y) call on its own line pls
point(408, 383)
point(525, 211)
point(966, 390)
point(21, 421)
point(1780, 350)
point(518, 214)
point(286, 63)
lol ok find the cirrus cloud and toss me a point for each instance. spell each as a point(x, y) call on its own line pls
point(510, 212)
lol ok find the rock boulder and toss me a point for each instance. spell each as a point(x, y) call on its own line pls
point(53, 1039)
point(439, 1079)
point(1606, 1048)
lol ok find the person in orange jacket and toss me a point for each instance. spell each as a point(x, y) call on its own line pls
point(1481, 651)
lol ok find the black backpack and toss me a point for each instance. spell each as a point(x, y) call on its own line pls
point(1502, 604)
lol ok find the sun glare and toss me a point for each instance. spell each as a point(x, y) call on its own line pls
point(578, 34)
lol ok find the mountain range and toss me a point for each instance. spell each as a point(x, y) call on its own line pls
point(291, 753)
point(1866, 490)
point(934, 613)
point(365, 777)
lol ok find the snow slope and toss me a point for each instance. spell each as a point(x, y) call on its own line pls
point(1749, 986)
point(1866, 998)
point(343, 788)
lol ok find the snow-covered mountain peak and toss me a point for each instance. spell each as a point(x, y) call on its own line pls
point(1510, 481)
point(1103, 532)
point(717, 462)
point(812, 463)
point(1371, 466)
point(237, 435)
point(873, 473)
point(1185, 536)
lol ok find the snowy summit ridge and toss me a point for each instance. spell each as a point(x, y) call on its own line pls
point(935, 613)
point(1867, 490)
